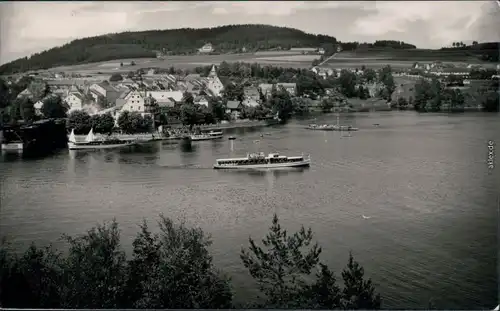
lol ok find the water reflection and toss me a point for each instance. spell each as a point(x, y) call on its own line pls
point(217, 142)
point(94, 160)
point(169, 142)
point(189, 153)
point(249, 130)
point(10, 156)
point(26, 155)
point(188, 147)
point(265, 173)
point(217, 147)
point(72, 161)
point(79, 154)
point(150, 147)
point(110, 158)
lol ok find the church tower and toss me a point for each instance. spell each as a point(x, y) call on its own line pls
point(213, 82)
point(213, 72)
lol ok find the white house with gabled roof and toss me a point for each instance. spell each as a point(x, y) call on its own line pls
point(207, 48)
point(132, 101)
point(74, 101)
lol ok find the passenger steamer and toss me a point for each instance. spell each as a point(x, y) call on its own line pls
point(207, 136)
point(260, 161)
point(91, 142)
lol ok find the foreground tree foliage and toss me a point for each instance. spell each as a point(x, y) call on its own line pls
point(31, 280)
point(54, 107)
point(94, 270)
point(173, 268)
point(290, 274)
point(79, 121)
point(133, 122)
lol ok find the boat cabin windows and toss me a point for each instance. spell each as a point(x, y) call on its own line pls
point(255, 160)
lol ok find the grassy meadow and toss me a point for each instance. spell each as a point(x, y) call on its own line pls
point(398, 59)
point(278, 58)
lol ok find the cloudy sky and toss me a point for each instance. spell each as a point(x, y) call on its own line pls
point(29, 27)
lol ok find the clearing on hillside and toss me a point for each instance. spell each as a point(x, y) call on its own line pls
point(295, 60)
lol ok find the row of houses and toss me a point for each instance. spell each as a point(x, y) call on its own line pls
point(429, 69)
point(452, 67)
point(134, 96)
point(325, 72)
point(319, 51)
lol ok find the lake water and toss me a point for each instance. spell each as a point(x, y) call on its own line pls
point(422, 179)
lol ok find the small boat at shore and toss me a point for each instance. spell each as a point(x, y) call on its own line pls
point(329, 127)
point(261, 161)
point(207, 136)
point(91, 142)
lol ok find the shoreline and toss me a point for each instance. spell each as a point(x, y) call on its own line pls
point(147, 137)
point(234, 125)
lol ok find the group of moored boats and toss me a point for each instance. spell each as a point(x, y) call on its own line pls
point(331, 127)
point(92, 141)
point(251, 161)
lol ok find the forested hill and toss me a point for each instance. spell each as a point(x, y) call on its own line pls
point(224, 39)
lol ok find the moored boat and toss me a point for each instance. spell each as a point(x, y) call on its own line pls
point(17, 146)
point(329, 127)
point(322, 127)
point(91, 142)
point(261, 161)
point(207, 136)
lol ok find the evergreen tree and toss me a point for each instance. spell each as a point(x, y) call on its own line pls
point(282, 266)
point(357, 292)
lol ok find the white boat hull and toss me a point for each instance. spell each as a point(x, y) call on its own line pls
point(304, 163)
point(73, 146)
point(194, 138)
point(338, 129)
point(13, 147)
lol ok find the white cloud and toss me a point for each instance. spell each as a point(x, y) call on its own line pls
point(52, 21)
point(28, 27)
point(220, 10)
point(258, 7)
point(281, 8)
point(440, 16)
